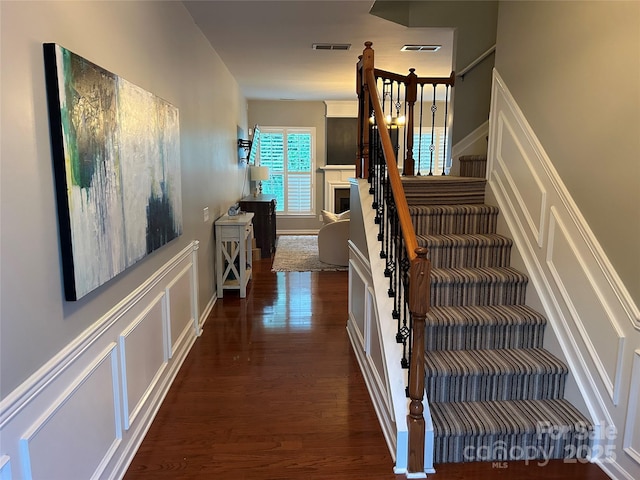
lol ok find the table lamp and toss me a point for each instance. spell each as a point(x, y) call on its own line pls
point(258, 174)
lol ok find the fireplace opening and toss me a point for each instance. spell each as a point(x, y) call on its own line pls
point(341, 200)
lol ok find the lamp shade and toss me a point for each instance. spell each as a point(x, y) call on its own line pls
point(258, 173)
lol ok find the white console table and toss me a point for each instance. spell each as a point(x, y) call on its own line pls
point(234, 237)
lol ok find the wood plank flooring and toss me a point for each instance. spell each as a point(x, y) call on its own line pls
point(272, 390)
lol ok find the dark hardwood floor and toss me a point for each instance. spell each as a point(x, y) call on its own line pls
point(272, 390)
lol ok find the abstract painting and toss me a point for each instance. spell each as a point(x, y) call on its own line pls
point(116, 161)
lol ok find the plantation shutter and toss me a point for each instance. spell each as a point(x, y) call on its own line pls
point(288, 152)
point(299, 173)
point(272, 156)
point(422, 152)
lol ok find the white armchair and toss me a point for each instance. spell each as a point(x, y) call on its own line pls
point(333, 240)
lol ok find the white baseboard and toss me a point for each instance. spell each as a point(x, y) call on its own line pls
point(309, 231)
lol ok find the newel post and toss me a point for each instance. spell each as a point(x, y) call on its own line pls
point(361, 116)
point(419, 301)
point(364, 109)
point(410, 99)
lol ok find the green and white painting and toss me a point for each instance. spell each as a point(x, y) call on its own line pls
point(116, 158)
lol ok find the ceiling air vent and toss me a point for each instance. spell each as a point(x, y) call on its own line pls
point(331, 46)
point(420, 48)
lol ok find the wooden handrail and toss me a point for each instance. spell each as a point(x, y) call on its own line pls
point(420, 266)
point(450, 80)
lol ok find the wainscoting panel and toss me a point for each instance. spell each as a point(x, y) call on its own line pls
point(179, 306)
point(5, 468)
point(357, 304)
point(590, 312)
point(370, 316)
point(56, 445)
point(521, 177)
point(83, 414)
point(143, 357)
point(632, 427)
point(375, 356)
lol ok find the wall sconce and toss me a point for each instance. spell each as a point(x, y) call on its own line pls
point(246, 144)
point(258, 174)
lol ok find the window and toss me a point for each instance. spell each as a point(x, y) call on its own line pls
point(290, 155)
point(422, 146)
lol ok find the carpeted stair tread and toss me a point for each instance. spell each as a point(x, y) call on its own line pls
point(486, 375)
point(494, 392)
point(477, 286)
point(504, 417)
point(509, 430)
point(473, 165)
point(511, 361)
point(493, 315)
point(513, 430)
point(453, 219)
point(477, 275)
point(471, 250)
point(485, 327)
point(441, 190)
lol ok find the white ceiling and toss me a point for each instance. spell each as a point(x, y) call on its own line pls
point(267, 45)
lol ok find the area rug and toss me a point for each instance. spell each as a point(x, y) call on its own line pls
point(299, 253)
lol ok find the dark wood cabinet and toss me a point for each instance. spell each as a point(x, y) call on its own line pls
point(264, 221)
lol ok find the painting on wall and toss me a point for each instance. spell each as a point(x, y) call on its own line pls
point(116, 161)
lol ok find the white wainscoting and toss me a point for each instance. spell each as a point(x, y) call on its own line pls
point(588, 307)
point(372, 332)
point(84, 413)
point(632, 428)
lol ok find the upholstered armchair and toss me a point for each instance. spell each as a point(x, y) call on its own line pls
point(333, 239)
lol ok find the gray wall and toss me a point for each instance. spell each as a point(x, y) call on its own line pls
point(475, 32)
point(574, 70)
point(273, 113)
point(156, 46)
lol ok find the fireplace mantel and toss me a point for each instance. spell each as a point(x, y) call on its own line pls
point(335, 177)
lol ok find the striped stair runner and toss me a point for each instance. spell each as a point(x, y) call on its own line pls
point(473, 166)
point(449, 190)
point(508, 430)
point(495, 393)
